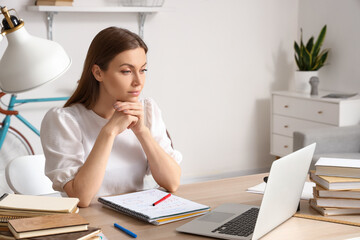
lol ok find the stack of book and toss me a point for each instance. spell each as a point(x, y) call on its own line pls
point(42, 217)
point(337, 190)
point(54, 2)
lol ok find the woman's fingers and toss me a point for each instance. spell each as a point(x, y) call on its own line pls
point(132, 112)
point(133, 123)
point(121, 106)
point(135, 109)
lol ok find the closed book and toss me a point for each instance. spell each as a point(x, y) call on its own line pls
point(58, 0)
point(140, 205)
point(327, 211)
point(339, 167)
point(4, 219)
point(6, 235)
point(53, 3)
point(337, 202)
point(89, 234)
point(30, 203)
point(335, 183)
point(82, 235)
point(30, 213)
point(47, 225)
point(322, 192)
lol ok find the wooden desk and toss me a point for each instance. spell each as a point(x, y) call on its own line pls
point(214, 193)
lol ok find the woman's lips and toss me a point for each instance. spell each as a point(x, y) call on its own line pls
point(134, 93)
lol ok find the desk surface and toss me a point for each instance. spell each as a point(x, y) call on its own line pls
point(214, 193)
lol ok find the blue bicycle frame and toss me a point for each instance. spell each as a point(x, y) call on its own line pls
point(13, 101)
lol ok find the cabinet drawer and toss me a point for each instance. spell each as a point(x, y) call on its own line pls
point(281, 145)
point(323, 112)
point(286, 126)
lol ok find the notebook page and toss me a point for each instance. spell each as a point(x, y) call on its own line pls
point(142, 202)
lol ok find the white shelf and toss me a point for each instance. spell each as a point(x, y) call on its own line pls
point(93, 9)
point(51, 10)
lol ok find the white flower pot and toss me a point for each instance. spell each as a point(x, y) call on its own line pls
point(300, 82)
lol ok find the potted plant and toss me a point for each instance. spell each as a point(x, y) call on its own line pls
point(309, 58)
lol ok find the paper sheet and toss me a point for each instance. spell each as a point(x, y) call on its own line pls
point(306, 194)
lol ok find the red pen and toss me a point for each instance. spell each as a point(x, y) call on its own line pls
point(162, 199)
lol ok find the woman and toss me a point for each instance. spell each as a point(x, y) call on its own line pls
point(105, 140)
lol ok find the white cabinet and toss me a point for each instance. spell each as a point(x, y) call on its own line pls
point(293, 111)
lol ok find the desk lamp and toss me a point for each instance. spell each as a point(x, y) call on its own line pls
point(28, 61)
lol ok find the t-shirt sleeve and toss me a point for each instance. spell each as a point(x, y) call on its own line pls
point(61, 140)
point(154, 121)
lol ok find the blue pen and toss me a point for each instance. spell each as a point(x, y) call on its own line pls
point(125, 230)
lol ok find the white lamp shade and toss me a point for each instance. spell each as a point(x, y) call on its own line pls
point(29, 62)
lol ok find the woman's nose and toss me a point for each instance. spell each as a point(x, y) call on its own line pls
point(136, 80)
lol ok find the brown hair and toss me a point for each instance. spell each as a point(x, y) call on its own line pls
point(104, 47)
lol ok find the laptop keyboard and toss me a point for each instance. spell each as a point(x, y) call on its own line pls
point(242, 225)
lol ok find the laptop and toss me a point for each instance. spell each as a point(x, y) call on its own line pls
point(280, 201)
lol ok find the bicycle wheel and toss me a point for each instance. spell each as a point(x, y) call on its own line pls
point(15, 145)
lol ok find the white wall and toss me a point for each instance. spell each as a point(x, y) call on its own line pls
point(342, 73)
point(212, 66)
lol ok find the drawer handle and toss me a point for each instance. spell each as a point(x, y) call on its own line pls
point(286, 146)
point(320, 112)
point(286, 126)
point(286, 106)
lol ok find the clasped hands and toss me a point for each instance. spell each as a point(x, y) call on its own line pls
point(129, 115)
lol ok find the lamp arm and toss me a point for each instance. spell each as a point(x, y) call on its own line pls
point(1, 36)
point(9, 22)
point(7, 16)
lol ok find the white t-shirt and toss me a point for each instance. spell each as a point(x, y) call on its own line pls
point(68, 136)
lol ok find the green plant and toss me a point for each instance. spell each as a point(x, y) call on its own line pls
point(309, 57)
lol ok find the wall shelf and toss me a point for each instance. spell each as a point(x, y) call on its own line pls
point(51, 10)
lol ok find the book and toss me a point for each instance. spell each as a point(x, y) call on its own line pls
point(82, 235)
point(4, 219)
point(30, 213)
point(139, 205)
point(327, 219)
point(325, 211)
point(58, 0)
point(47, 225)
point(335, 183)
point(337, 202)
point(90, 234)
point(6, 235)
point(53, 3)
point(339, 167)
point(22, 204)
point(322, 192)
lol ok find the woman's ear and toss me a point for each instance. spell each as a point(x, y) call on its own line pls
point(96, 71)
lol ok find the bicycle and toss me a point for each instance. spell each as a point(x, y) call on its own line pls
point(12, 143)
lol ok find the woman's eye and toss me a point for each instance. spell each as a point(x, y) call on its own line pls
point(126, 71)
point(143, 70)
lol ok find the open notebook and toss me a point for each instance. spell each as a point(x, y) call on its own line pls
point(139, 205)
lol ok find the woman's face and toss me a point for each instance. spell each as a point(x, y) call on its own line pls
point(125, 77)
